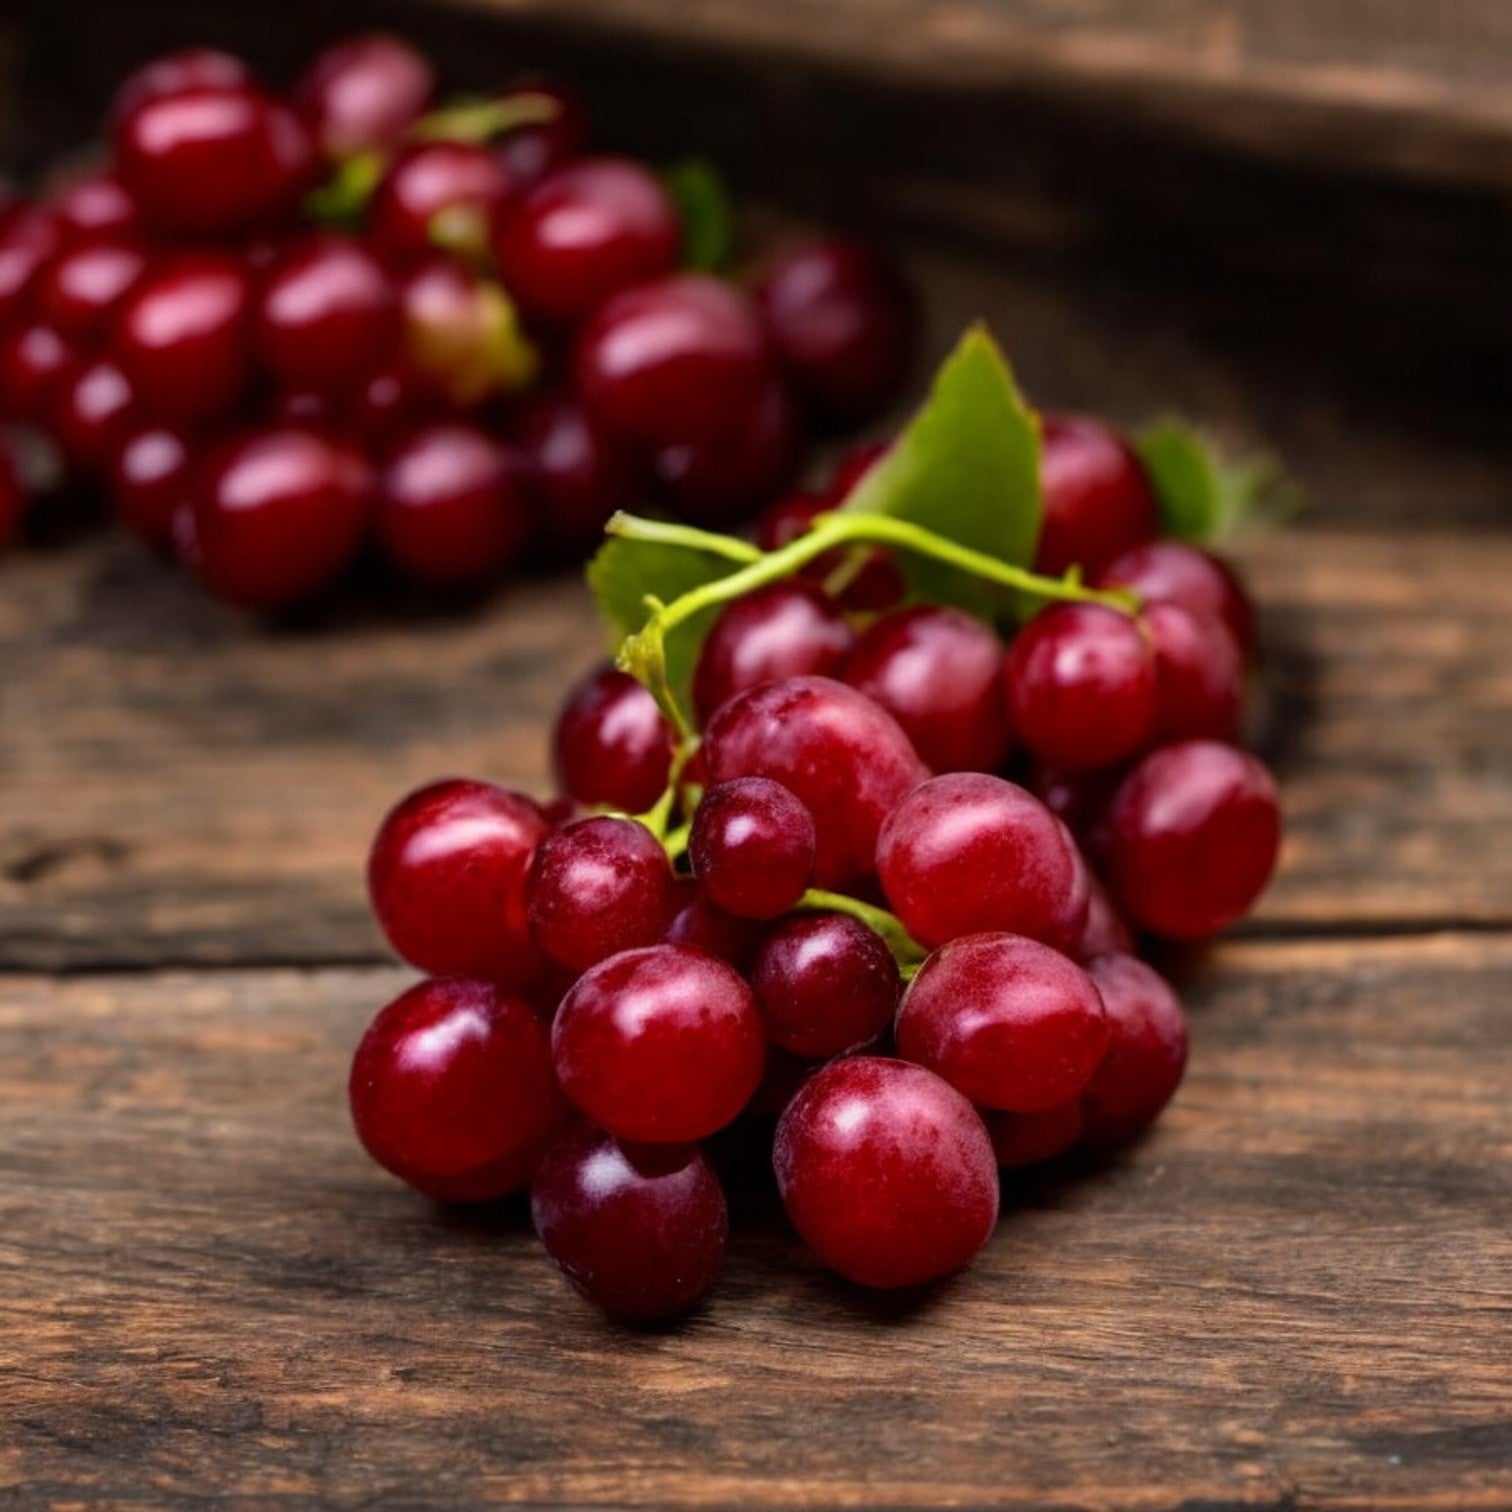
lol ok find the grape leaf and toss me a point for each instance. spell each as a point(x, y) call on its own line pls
point(1201, 496)
point(966, 467)
point(705, 212)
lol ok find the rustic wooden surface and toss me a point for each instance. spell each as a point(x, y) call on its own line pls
point(1294, 1294)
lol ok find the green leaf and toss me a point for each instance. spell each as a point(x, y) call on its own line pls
point(705, 211)
point(1203, 497)
point(625, 573)
point(966, 467)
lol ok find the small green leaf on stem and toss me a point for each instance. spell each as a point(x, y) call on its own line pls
point(1201, 496)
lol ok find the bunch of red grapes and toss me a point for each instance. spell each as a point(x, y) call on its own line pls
point(281, 329)
point(883, 908)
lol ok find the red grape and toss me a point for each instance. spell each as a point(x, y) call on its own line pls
point(1146, 1053)
point(1171, 572)
point(1097, 501)
point(363, 94)
point(752, 847)
point(612, 745)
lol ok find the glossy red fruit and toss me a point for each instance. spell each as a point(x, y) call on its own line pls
point(1171, 572)
point(1025, 1139)
point(723, 480)
point(597, 887)
point(843, 324)
point(392, 397)
point(661, 1045)
point(363, 94)
point(611, 744)
point(213, 160)
point(1010, 1023)
point(279, 515)
point(639, 1230)
point(93, 410)
point(1199, 675)
point(327, 314)
point(34, 360)
point(437, 195)
point(530, 152)
point(1104, 932)
point(939, 673)
point(1097, 500)
point(175, 73)
point(1146, 1055)
point(183, 338)
point(787, 629)
point(969, 853)
point(584, 232)
point(82, 287)
point(752, 847)
point(887, 1172)
point(844, 758)
point(576, 472)
point(28, 241)
point(452, 1090)
point(94, 206)
point(673, 361)
point(825, 984)
point(1081, 686)
point(447, 877)
point(1192, 836)
point(450, 512)
point(149, 481)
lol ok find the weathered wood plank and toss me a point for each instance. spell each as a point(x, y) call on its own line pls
point(1294, 1294)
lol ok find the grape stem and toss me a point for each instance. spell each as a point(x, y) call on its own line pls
point(906, 950)
point(643, 654)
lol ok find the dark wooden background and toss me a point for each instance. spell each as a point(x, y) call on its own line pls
point(1287, 219)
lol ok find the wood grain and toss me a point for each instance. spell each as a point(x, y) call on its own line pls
point(1294, 1294)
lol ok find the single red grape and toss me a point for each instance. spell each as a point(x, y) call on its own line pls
point(214, 160)
point(674, 361)
point(887, 1172)
point(583, 232)
point(576, 472)
point(844, 325)
point(611, 744)
point(660, 1045)
point(363, 94)
point(183, 337)
point(1097, 501)
point(844, 758)
point(81, 289)
point(452, 1090)
point(437, 194)
point(449, 508)
point(279, 515)
point(1081, 686)
point(177, 73)
point(327, 314)
point(969, 853)
point(825, 984)
point(639, 1230)
point(752, 847)
point(787, 629)
point(1146, 1053)
point(29, 240)
point(1104, 932)
point(1191, 838)
point(939, 673)
point(93, 410)
point(34, 362)
point(447, 877)
point(721, 480)
point(1007, 1021)
point(597, 887)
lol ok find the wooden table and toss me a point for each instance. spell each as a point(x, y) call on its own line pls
point(1294, 1293)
